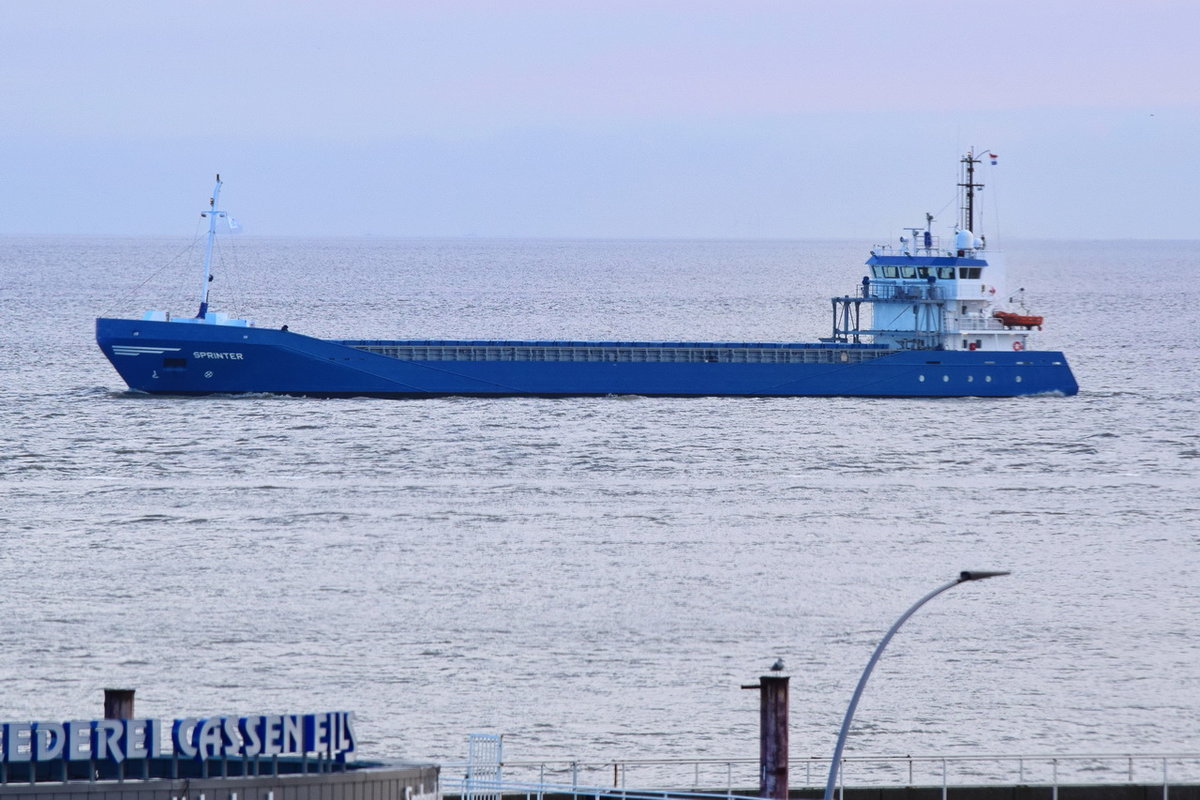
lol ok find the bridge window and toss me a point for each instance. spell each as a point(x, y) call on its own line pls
point(890, 272)
point(908, 272)
point(970, 273)
point(946, 273)
point(922, 272)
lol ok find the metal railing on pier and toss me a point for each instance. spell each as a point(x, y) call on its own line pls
point(737, 778)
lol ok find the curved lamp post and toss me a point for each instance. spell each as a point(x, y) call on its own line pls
point(963, 577)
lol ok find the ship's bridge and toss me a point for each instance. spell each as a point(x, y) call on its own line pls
point(923, 267)
point(925, 298)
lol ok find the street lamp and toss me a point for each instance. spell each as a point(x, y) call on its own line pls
point(963, 577)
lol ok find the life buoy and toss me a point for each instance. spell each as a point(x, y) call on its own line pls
point(1018, 346)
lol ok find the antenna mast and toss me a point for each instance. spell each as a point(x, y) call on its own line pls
point(969, 161)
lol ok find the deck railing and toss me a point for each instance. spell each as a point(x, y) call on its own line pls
point(930, 292)
point(813, 353)
point(975, 323)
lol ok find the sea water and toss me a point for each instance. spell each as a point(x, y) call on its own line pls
point(598, 577)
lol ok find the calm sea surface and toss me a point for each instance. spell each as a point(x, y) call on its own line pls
point(597, 577)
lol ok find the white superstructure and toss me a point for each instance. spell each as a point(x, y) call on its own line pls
point(923, 296)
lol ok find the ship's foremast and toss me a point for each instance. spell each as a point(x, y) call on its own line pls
point(213, 214)
point(203, 316)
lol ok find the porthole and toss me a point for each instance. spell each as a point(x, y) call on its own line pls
point(970, 379)
point(945, 379)
point(921, 378)
point(987, 378)
point(1018, 379)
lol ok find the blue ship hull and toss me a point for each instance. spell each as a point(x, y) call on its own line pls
point(176, 358)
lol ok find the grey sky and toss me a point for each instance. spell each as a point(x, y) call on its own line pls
point(688, 118)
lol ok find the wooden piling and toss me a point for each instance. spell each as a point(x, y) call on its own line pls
point(773, 734)
point(118, 703)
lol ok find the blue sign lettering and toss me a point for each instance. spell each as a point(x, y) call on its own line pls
point(180, 738)
point(49, 741)
point(330, 735)
point(142, 737)
point(251, 738)
point(206, 738)
point(292, 741)
point(272, 735)
point(107, 742)
point(18, 741)
point(79, 740)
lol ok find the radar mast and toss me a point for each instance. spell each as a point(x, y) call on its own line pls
point(969, 186)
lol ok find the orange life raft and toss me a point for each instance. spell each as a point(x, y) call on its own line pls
point(1011, 320)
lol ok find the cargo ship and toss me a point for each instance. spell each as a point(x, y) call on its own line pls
point(926, 320)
